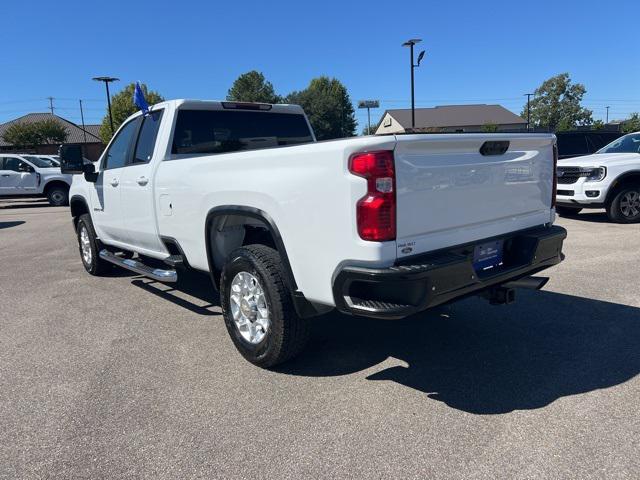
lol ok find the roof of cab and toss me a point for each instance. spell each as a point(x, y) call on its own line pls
point(218, 105)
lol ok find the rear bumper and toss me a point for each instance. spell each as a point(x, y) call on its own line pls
point(435, 278)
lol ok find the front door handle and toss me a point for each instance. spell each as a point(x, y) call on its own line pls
point(114, 182)
point(142, 180)
point(6, 174)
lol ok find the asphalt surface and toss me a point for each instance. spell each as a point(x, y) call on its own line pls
point(122, 377)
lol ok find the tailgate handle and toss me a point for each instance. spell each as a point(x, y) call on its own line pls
point(494, 147)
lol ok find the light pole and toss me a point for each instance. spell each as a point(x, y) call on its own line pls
point(607, 114)
point(410, 43)
point(528, 95)
point(84, 131)
point(107, 81)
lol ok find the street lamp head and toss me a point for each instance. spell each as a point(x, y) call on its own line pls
point(411, 41)
point(105, 79)
point(420, 57)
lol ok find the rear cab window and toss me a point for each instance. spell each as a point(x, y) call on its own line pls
point(222, 131)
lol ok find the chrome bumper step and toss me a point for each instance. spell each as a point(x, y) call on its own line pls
point(158, 274)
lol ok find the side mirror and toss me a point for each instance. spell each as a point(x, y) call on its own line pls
point(71, 160)
point(23, 167)
point(90, 174)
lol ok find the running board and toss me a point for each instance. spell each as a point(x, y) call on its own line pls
point(140, 268)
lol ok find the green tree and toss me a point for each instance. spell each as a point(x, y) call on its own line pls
point(52, 131)
point(597, 125)
point(328, 106)
point(252, 87)
point(556, 104)
point(632, 124)
point(22, 135)
point(367, 131)
point(122, 107)
point(30, 134)
point(490, 127)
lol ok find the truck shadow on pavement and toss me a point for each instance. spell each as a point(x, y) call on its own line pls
point(592, 217)
point(472, 356)
point(10, 224)
point(195, 285)
point(486, 360)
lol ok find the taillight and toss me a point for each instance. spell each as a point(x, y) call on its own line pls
point(376, 211)
point(555, 176)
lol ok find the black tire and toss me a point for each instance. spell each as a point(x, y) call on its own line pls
point(287, 333)
point(58, 196)
point(567, 211)
point(621, 209)
point(96, 266)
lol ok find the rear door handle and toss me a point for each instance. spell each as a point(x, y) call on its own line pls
point(114, 182)
point(142, 180)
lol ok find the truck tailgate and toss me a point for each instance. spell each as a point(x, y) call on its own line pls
point(448, 193)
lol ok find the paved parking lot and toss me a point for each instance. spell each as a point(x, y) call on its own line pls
point(122, 377)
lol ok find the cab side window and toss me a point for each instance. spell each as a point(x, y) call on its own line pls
point(16, 165)
point(120, 148)
point(147, 137)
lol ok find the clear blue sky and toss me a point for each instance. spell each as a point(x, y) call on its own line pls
point(477, 52)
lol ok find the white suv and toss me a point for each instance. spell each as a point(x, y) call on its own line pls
point(31, 175)
point(610, 179)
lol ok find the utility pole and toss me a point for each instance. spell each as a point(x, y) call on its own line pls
point(410, 43)
point(528, 95)
point(107, 81)
point(607, 114)
point(84, 131)
point(50, 104)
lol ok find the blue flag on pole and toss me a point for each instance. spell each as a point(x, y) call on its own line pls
point(139, 100)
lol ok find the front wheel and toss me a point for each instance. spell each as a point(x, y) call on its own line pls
point(257, 307)
point(89, 246)
point(625, 206)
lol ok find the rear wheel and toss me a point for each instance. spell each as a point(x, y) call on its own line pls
point(257, 307)
point(567, 211)
point(89, 246)
point(625, 206)
point(58, 196)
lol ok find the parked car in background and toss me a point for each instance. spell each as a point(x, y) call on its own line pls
point(31, 175)
point(576, 144)
point(53, 158)
point(289, 228)
point(608, 179)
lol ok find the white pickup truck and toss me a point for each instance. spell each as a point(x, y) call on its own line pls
point(35, 176)
point(610, 179)
point(290, 228)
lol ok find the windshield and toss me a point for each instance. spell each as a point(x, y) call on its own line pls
point(40, 162)
point(627, 144)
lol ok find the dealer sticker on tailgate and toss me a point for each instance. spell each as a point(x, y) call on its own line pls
point(488, 255)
